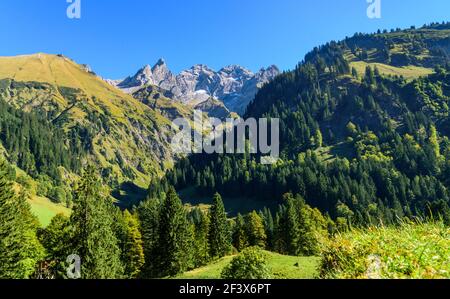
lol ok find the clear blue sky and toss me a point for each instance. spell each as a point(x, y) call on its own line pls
point(116, 37)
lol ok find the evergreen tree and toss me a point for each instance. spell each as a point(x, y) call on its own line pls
point(149, 215)
point(318, 139)
point(219, 232)
point(93, 237)
point(288, 230)
point(20, 249)
point(240, 240)
point(201, 246)
point(267, 217)
point(174, 235)
point(56, 240)
point(292, 226)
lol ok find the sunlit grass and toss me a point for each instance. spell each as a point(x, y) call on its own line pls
point(410, 251)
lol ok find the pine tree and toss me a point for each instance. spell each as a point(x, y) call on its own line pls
point(255, 230)
point(93, 237)
point(201, 246)
point(149, 214)
point(267, 217)
point(291, 225)
point(20, 249)
point(219, 232)
point(173, 237)
point(240, 240)
point(318, 139)
point(287, 227)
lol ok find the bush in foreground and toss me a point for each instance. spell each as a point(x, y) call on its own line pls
point(410, 251)
point(250, 264)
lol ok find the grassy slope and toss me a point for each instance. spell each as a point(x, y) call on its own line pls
point(411, 251)
point(45, 210)
point(282, 267)
point(144, 148)
point(408, 72)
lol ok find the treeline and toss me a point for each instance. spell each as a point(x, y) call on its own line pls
point(159, 238)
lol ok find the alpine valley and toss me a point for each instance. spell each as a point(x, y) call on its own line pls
point(86, 167)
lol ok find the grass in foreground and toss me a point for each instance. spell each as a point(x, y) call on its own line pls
point(417, 251)
point(281, 266)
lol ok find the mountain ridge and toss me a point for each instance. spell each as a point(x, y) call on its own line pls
point(124, 137)
point(234, 85)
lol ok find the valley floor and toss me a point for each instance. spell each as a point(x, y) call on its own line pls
point(281, 266)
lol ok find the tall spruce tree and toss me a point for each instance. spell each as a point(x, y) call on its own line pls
point(149, 215)
point(240, 240)
point(174, 235)
point(287, 231)
point(20, 249)
point(267, 217)
point(201, 246)
point(219, 231)
point(93, 237)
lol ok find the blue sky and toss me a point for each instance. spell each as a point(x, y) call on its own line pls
point(116, 37)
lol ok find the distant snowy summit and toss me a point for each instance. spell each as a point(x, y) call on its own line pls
point(234, 85)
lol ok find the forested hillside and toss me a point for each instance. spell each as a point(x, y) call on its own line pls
point(58, 116)
point(364, 171)
point(363, 146)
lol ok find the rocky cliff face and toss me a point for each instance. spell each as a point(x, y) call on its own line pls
point(234, 85)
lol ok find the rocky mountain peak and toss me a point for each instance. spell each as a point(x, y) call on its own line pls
point(234, 85)
point(160, 62)
point(162, 76)
point(266, 75)
point(236, 72)
point(142, 77)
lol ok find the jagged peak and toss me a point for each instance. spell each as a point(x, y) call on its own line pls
point(160, 61)
point(236, 69)
point(200, 66)
point(145, 69)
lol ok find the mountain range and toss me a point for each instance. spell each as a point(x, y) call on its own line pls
point(124, 127)
point(234, 86)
